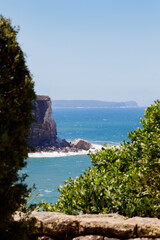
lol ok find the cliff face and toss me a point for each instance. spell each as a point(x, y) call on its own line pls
point(43, 136)
point(43, 130)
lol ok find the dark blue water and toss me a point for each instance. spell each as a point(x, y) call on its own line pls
point(98, 126)
point(101, 125)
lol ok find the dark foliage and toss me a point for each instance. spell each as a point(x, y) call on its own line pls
point(16, 94)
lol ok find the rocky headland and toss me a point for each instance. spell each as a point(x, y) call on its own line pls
point(43, 136)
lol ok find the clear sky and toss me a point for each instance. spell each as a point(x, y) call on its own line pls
point(90, 49)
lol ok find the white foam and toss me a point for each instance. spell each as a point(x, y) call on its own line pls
point(61, 154)
point(47, 191)
point(41, 195)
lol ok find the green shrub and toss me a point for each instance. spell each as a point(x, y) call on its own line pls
point(124, 179)
point(16, 94)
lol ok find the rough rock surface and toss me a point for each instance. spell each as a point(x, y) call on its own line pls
point(93, 237)
point(50, 225)
point(43, 130)
point(82, 144)
point(44, 238)
point(43, 135)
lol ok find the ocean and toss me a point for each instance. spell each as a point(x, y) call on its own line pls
point(97, 125)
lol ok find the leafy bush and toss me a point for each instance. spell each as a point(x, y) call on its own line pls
point(124, 179)
point(16, 94)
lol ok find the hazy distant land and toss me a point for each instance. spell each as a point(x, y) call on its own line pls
point(92, 104)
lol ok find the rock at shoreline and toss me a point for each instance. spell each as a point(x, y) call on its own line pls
point(82, 144)
point(43, 136)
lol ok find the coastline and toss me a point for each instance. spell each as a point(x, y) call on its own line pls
point(54, 154)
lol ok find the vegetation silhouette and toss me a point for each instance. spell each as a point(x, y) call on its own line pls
point(16, 95)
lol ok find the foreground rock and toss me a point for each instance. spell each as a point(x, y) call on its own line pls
point(50, 226)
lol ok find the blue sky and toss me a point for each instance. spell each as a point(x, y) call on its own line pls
point(91, 49)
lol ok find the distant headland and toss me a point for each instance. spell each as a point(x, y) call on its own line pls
point(43, 132)
point(92, 104)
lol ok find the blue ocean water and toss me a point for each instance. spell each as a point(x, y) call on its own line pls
point(99, 126)
point(48, 173)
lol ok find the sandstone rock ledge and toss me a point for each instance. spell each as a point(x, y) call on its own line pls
point(54, 226)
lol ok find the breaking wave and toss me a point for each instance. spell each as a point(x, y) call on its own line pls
point(55, 154)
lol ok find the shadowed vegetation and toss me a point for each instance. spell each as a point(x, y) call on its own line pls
point(16, 94)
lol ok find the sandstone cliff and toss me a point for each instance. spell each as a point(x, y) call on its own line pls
point(43, 135)
point(43, 130)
